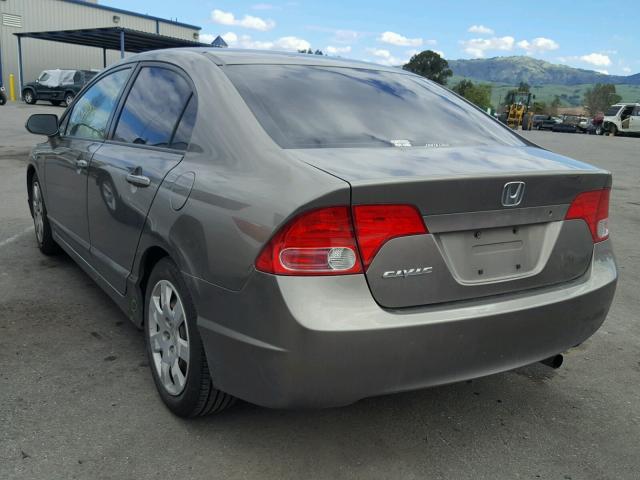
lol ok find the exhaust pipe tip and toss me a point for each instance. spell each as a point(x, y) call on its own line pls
point(554, 361)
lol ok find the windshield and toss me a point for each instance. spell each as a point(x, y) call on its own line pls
point(612, 111)
point(313, 107)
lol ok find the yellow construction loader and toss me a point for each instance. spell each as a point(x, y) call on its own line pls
point(516, 110)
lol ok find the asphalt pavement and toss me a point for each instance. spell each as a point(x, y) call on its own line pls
point(77, 399)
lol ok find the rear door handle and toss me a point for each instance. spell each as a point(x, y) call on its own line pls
point(138, 180)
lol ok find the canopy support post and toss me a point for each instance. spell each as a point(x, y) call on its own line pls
point(121, 43)
point(20, 66)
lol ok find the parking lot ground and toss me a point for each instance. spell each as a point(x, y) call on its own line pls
point(77, 399)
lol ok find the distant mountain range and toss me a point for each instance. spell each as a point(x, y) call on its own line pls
point(513, 70)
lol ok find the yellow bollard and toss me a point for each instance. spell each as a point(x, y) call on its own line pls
point(12, 87)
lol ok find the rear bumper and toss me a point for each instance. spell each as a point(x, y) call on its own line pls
point(323, 341)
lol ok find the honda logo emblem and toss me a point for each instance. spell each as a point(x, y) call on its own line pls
point(512, 194)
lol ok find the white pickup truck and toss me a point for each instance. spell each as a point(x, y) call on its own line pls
point(622, 118)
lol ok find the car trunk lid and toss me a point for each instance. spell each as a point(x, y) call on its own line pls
point(476, 246)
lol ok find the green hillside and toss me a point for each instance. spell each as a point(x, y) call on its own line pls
point(514, 70)
point(570, 95)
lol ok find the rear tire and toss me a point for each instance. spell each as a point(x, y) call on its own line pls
point(174, 347)
point(29, 96)
point(613, 130)
point(44, 237)
point(68, 98)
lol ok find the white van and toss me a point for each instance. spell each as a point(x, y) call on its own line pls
point(622, 118)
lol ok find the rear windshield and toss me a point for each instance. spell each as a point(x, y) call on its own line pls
point(314, 107)
point(612, 111)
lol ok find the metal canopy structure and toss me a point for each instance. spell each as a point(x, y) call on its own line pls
point(107, 38)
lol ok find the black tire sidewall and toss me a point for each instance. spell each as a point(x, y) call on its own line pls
point(186, 402)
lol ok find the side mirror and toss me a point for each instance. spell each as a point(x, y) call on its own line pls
point(43, 124)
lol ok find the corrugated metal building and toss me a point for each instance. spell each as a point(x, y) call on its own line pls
point(45, 15)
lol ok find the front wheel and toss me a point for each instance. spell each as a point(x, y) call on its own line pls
point(174, 347)
point(68, 98)
point(613, 130)
point(29, 97)
point(44, 237)
point(3, 99)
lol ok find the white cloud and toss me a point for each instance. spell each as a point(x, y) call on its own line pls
point(440, 52)
point(626, 69)
point(480, 29)
point(288, 43)
point(393, 38)
point(206, 38)
point(606, 72)
point(248, 21)
point(337, 50)
point(477, 47)
point(291, 43)
point(538, 45)
point(384, 57)
point(597, 59)
point(230, 38)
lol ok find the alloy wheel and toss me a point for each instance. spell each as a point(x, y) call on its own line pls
point(168, 337)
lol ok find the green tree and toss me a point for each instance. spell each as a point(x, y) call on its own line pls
point(524, 87)
point(539, 107)
point(555, 104)
point(430, 65)
point(479, 95)
point(600, 97)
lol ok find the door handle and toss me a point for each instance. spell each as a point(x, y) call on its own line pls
point(138, 180)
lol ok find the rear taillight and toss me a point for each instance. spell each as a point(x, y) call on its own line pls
point(319, 242)
point(323, 242)
point(593, 208)
point(377, 224)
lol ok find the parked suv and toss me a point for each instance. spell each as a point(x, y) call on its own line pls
point(56, 86)
point(622, 118)
point(380, 234)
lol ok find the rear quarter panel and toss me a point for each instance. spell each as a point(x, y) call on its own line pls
point(244, 187)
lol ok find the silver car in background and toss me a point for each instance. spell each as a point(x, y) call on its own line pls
point(305, 231)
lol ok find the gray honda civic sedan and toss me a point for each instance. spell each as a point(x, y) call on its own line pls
point(305, 231)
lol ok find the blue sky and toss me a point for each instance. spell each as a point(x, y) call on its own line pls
point(599, 35)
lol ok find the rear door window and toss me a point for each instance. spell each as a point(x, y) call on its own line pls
point(91, 112)
point(153, 108)
point(612, 111)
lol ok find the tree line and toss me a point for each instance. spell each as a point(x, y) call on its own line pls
point(431, 65)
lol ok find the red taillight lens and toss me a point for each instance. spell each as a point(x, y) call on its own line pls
point(377, 224)
point(319, 242)
point(593, 208)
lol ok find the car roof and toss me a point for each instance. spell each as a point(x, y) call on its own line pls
point(238, 56)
